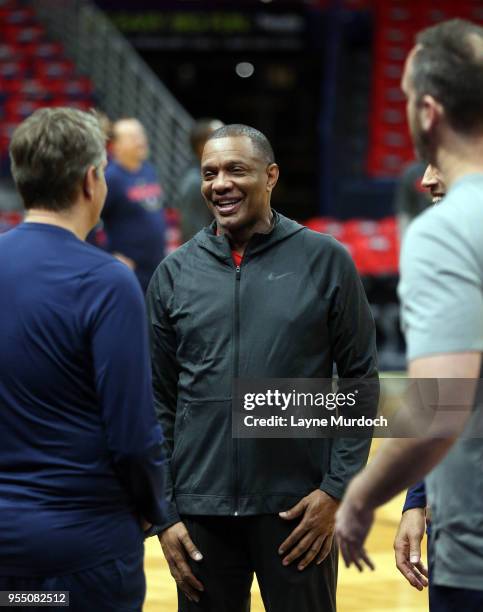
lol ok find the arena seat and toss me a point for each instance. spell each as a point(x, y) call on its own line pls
point(373, 245)
point(396, 25)
point(34, 72)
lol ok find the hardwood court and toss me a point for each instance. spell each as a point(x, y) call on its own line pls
point(384, 590)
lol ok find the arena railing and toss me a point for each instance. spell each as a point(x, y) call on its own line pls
point(125, 85)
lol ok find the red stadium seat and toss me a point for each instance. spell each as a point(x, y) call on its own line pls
point(44, 50)
point(13, 69)
point(397, 22)
point(20, 35)
point(17, 17)
point(53, 69)
point(373, 245)
point(18, 108)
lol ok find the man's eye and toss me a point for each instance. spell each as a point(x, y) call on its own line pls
point(207, 175)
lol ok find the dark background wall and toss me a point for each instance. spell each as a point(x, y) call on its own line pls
point(195, 48)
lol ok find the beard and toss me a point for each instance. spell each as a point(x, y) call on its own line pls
point(423, 143)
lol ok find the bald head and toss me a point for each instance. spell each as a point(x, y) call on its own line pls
point(129, 143)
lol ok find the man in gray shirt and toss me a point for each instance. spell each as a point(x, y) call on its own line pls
point(441, 291)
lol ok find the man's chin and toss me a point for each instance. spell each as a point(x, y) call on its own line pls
point(229, 222)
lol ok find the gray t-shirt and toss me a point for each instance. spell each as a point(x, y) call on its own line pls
point(441, 292)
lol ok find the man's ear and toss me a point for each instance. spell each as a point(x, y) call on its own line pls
point(272, 173)
point(430, 113)
point(89, 182)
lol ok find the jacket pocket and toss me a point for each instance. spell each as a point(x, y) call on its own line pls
point(278, 466)
point(203, 449)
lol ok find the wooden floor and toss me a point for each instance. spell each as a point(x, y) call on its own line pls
point(384, 590)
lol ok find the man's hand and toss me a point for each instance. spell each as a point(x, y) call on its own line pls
point(176, 542)
point(407, 547)
point(313, 536)
point(352, 524)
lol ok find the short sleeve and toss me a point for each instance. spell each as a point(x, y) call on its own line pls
point(440, 289)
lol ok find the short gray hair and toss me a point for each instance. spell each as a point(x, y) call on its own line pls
point(50, 153)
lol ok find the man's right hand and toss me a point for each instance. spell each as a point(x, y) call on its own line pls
point(407, 547)
point(176, 542)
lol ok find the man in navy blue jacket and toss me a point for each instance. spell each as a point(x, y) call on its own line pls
point(133, 215)
point(80, 459)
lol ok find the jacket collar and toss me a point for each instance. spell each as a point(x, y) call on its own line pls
point(220, 247)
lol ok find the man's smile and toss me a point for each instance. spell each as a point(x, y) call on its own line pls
point(227, 206)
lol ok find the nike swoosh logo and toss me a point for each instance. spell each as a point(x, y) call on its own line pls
point(272, 276)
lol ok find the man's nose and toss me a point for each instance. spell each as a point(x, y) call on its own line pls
point(222, 182)
point(429, 178)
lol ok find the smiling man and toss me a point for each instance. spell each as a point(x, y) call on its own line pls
point(255, 295)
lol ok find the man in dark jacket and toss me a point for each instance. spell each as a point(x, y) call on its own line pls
point(255, 295)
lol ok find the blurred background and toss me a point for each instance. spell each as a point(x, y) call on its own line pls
point(319, 77)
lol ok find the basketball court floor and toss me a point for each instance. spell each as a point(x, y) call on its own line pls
point(384, 590)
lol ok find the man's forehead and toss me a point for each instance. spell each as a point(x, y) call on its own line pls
point(230, 147)
point(408, 68)
point(128, 127)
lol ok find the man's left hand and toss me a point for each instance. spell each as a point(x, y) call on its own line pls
point(312, 538)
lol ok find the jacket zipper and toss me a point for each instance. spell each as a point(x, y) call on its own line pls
point(236, 360)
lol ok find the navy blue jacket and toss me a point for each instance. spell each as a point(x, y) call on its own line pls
point(80, 451)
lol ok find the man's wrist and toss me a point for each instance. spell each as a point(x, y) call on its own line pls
point(331, 497)
point(359, 494)
point(420, 508)
point(333, 490)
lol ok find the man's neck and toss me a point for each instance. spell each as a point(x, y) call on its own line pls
point(131, 165)
point(460, 157)
point(239, 240)
point(67, 221)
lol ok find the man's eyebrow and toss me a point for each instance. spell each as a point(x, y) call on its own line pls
point(237, 161)
point(228, 162)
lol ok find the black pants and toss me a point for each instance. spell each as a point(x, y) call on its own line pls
point(233, 548)
point(452, 599)
point(116, 586)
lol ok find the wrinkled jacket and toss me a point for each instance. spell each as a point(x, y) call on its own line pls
point(292, 309)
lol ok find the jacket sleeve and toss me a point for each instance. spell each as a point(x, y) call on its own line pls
point(165, 376)
point(353, 343)
point(416, 496)
point(117, 330)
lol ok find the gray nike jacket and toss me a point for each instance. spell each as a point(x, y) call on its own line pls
point(292, 309)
